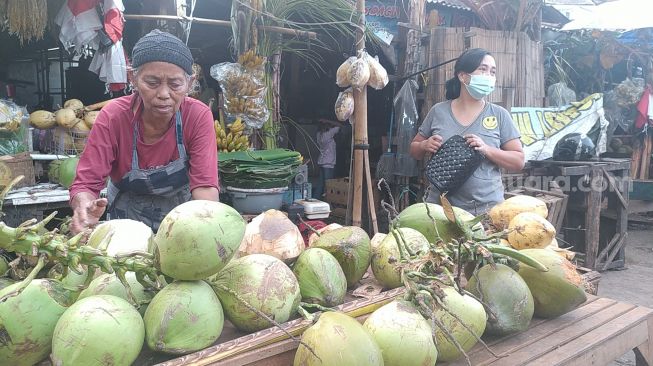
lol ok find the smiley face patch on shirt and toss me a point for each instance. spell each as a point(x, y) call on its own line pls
point(490, 122)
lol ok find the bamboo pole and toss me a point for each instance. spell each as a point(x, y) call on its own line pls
point(223, 23)
point(360, 126)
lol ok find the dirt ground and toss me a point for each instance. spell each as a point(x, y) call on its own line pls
point(634, 284)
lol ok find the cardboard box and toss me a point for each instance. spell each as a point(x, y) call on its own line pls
point(12, 166)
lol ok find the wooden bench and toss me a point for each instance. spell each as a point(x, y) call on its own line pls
point(596, 333)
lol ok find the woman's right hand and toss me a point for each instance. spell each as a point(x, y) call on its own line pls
point(87, 213)
point(431, 144)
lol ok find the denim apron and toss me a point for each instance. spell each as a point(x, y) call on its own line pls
point(147, 195)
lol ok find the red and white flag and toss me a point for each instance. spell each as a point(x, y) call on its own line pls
point(111, 64)
point(79, 24)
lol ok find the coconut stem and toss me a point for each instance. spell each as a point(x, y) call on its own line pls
point(28, 239)
point(311, 228)
point(427, 312)
point(264, 316)
point(24, 283)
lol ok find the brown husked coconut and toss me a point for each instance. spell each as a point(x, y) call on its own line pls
point(323, 230)
point(342, 75)
point(378, 75)
point(359, 73)
point(65, 117)
point(504, 212)
point(272, 233)
point(76, 105)
point(344, 107)
point(529, 230)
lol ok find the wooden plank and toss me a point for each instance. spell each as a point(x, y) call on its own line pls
point(617, 237)
point(593, 219)
point(615, 188)
point(604, 344)
point(526, 355)
point(538, 330)
point(273, 354)
point(644, 352)
point(618, 247)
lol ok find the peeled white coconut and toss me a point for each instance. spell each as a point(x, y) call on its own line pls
point(272, 233)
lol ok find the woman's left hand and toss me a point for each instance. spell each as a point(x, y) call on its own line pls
point(477, 143)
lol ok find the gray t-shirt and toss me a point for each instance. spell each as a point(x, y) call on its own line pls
point(494, 125)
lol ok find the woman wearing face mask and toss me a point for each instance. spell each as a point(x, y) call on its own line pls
point(487, 127)
point(156, 146)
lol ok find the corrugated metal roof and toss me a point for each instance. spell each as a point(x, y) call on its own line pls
point(450, 3)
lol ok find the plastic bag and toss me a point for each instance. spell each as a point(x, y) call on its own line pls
point(378, 75)
point(342, 75)
point(14, 128)
point(560, 94)
point(406, 117)
point(359, 72)
point(345, 104)
point(244, 92)
point(11, 115)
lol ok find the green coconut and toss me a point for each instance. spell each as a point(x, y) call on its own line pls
point(472, 314)
point(416, 217)
point(403, 335)
point(321, 280)
point(265, 283)
point(185, 316)
point(337, 339)
point(507, 296)
point(67, 170)
point(197, 239)
point(98, 330)
point(557, 291)
point(109, 284)
point(53, 171)
point(28, 320)
point(386, 256)
point(352, 248)
point(126, 236)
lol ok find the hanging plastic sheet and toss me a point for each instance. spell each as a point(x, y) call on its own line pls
point(406, 117)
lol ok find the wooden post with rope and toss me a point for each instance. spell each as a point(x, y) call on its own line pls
point(361, 170)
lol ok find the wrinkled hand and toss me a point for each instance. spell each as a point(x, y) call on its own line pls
point(88, 215)
point(432, 144)
point(477, 143)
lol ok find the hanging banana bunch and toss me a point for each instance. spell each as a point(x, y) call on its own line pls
point(234, 139)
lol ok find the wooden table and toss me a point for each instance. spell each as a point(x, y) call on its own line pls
point(596, 333)
point(603, 246)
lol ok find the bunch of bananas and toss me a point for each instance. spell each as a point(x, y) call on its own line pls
point(250, 60)
point(243, 85)
point(234, 140)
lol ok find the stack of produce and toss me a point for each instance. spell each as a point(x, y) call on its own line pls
point(275, 279)
point(71, 124)
point(244, 88)
point(62, 171)
point(234, 140)
point(259, 169)
point(356, 73)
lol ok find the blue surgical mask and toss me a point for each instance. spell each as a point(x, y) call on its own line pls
point(480, 86)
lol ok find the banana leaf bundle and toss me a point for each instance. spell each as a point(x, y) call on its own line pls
point(259, 169)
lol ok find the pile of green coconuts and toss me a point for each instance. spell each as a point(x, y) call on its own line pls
point(172, 291)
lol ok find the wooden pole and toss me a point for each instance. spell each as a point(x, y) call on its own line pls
point(223, 23)
point(360, 125)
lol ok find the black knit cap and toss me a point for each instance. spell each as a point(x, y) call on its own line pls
point(164, 47)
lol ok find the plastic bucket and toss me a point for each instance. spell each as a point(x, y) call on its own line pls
point(256, 201)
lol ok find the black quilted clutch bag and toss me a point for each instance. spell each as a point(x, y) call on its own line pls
point(452, 164)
